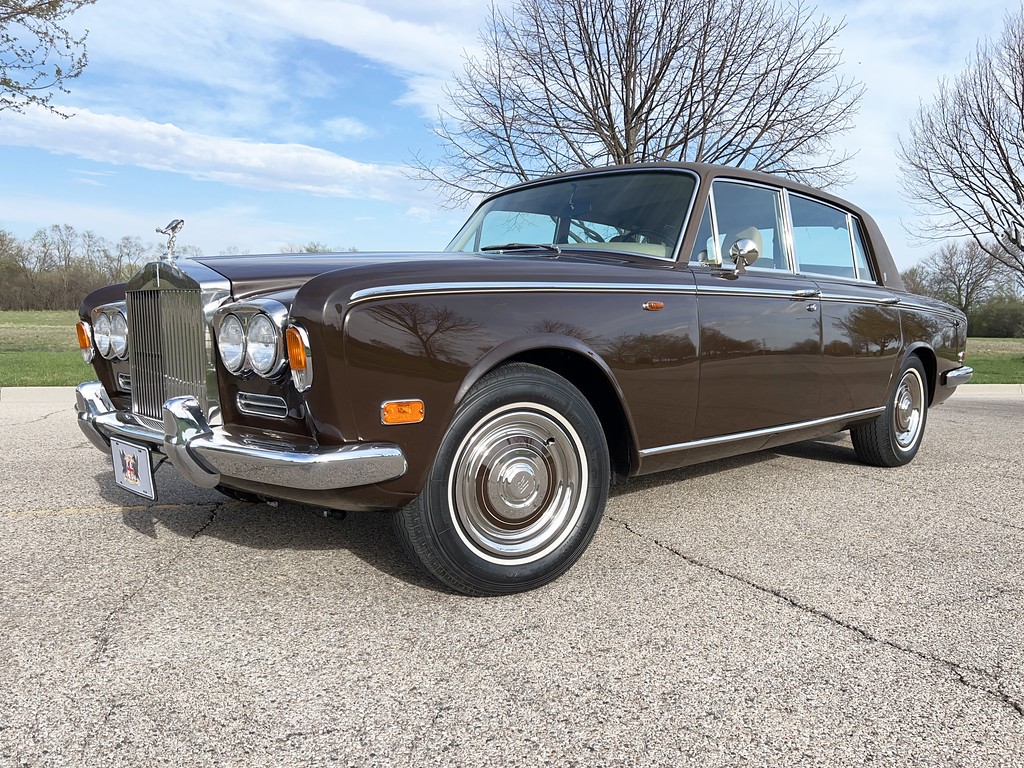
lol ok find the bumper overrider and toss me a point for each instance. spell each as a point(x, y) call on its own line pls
point(207, 456)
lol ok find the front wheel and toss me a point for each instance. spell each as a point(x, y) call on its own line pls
point(517, 490)
point(894, 437)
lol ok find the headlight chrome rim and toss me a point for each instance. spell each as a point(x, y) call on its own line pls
point(101, 334)
point(231, 343)
point(263, 345)
point(118, 336)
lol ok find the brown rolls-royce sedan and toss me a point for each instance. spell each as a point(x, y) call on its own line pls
point(579, 328)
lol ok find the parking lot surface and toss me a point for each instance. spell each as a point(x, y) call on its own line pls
point(791, 607)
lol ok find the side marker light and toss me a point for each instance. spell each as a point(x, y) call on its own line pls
point(402, 412)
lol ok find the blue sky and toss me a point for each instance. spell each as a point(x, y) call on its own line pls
point(268, 122)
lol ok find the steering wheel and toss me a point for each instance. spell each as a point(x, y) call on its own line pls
point(650, 235)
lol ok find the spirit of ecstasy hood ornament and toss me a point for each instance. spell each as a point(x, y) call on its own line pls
point(171, 230)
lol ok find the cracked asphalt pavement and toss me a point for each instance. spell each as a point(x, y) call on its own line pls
point(790, 607)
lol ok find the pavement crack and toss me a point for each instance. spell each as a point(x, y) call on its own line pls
point(109, 624)
point(1000, 523)
point(983, 680)
point(213, 516)
point(44, 417)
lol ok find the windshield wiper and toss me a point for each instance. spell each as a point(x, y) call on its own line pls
point(549, 247)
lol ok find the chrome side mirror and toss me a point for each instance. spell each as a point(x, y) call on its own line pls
point(743, 253)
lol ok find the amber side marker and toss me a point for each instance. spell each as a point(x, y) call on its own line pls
point(654, 306)
point(296, 350)
point(402, 412)
point(84, 340)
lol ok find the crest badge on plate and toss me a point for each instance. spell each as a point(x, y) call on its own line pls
point(130, 468)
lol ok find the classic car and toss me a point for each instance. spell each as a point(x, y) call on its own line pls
point(579, 329)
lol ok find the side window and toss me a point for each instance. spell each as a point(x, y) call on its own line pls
point(860, 255)
point(755, 213)
point(704, 248)
point(821, 238)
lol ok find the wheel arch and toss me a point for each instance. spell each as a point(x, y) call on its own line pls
point(930, 362)
point(585, 370)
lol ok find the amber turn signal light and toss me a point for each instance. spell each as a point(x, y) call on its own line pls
point(296, 349)
point(297, 345)
point(84, 341)
point(402, 412)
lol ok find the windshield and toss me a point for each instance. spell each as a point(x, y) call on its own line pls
point(640, 212)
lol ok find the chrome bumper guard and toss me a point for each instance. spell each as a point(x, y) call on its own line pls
point(204, 454)
point(957, 376)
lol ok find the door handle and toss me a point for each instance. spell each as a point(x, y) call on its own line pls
point(806, 293)
point(891, 301)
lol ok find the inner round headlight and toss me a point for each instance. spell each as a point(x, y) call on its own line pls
point(231, 343)
point(101, 334)
point(263, 344)
point(118, 335)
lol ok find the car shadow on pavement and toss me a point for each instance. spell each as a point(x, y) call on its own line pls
point(193, 514)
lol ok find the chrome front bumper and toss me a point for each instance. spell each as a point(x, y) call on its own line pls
point(204, 454)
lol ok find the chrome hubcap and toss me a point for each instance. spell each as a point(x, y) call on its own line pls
point(517, 484)
point(908, 411)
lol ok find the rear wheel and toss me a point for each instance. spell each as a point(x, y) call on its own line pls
point(517, 490)
point(894, 437)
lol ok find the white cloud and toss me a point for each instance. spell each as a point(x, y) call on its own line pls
point(425, 52)
point(165, 147)
point(345, 128)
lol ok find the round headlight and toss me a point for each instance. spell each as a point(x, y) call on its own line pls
point(101, 334)
point(118, 335)
point(231, 343)
point(263, 344)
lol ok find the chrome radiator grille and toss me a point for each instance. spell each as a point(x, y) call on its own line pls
point(167, 348)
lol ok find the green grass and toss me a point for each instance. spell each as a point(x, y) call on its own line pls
point(39, 349)
point(996, 361)
point(43, 369)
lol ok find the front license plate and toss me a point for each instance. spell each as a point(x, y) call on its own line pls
point(132, 470)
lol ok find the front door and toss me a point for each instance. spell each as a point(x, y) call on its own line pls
point(760, 331)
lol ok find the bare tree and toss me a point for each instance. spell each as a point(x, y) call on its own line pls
point(961, 273)
point(917, 279)
point(315, 246)
point(963, 159)
point(37, 54)
point(564, 84)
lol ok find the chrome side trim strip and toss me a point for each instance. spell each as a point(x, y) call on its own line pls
point(419, 289)
point(932, 310)
point(767, 432)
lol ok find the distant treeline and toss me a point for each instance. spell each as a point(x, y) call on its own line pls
point(58, 266)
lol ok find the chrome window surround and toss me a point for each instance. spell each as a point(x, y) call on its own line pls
point(214, 289)
point(245, 311)
point(785, 233)
point(851, 222)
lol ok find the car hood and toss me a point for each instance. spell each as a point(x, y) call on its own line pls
point(260, 274)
